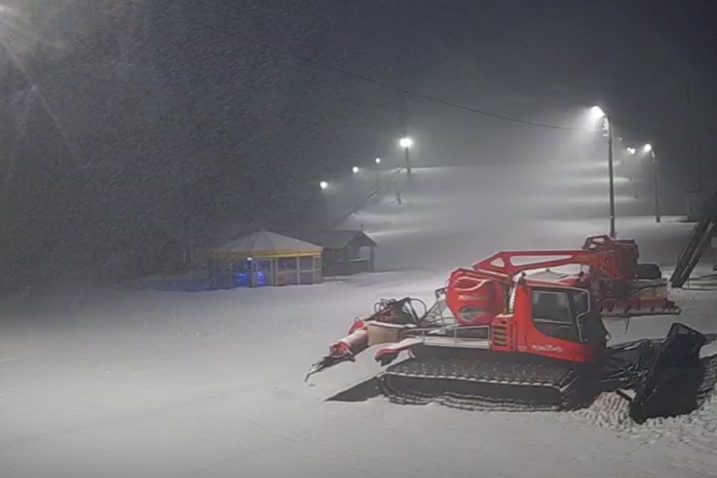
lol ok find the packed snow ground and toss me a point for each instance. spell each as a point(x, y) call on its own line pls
point(138, 383)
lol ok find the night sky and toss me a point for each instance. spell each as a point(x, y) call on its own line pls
point(121, 119)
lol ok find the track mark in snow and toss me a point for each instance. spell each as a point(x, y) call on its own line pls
point(609, 410)
point(698, 430)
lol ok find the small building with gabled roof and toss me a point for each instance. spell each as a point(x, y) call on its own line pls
point(345, 251)
point(264, 258)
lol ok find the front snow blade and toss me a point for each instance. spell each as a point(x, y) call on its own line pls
point(673, 376)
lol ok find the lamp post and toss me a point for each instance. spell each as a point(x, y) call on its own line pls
point(378, 175)
point(655, 178)
point(354, 190)
point(406, 143)
point(632, 170)
point(598, 114)
point(325, 203)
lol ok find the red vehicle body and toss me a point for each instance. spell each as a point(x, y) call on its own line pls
point(496, 306)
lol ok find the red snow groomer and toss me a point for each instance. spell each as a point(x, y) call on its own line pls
point(510, 333)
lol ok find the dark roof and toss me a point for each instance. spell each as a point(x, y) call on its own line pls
point(340, 238)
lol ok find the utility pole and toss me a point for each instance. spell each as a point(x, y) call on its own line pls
point(695, 144)
point(608, 124)
point(378, 176)
point(406, 141)
point(597, 113)
point(408, 162)
point(325, 213)
point(656, 181)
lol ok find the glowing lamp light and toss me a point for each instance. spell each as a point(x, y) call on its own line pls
point(596, 113)
point(631, 151)
point(406, 142)
point(323, 185)
point(647, 148)
point(378, 160)
point(355, 169)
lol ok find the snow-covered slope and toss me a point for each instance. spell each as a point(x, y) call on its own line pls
point(145, 383)
point(456, 216)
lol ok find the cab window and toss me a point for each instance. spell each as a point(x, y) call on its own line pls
point(551, 307)
point(552, 315)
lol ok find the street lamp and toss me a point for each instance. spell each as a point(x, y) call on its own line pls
point(596, 113)
point(326, 223)
point(407, 143)
point(378, 175)
point(655, 178)
point(355, 170)
point(632, 169)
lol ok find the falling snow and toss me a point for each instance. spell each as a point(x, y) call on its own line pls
point(135, 132)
